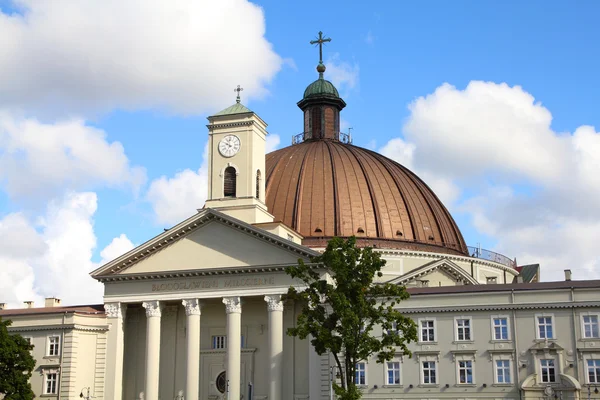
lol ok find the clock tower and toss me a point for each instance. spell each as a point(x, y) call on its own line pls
point(236, 163)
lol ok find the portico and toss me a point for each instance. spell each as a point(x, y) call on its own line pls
point(205, 332)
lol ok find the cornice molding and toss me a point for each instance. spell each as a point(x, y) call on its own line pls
point(77, 327)
point(229, 124)
point(503, 307)
point(421, 254)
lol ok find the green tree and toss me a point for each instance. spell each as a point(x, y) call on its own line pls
point(16, 364)
point(340, 298)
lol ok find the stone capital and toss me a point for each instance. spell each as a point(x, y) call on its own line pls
point(232, 304)
point(274, 302)
point(114, 310)
point(192, 306)
point(153, 308)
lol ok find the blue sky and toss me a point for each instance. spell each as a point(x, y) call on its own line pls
point(384, 56)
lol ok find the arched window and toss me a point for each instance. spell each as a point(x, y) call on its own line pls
point(229, 182)
point(258, 184)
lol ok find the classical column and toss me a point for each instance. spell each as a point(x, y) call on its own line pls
point(275, 307)
point(233, 306)
point(192, 310)
point(153, 314)
point(113, 381)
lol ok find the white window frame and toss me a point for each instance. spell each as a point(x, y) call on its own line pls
point(218, 342)
point(49, 346)
point(507, 318)
point(554, 366)
point(588, 314)
point(56, 383)
point(422, 371)
point(435, 336)
point(356, 370)
point(552, 325)
point(456, 329)
point(587, 370)
point(386, 371)
point(509, 368)
point(471, 367)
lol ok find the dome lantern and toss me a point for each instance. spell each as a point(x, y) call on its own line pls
point(321, 104)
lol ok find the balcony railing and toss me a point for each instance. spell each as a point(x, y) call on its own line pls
point(301, 137)
point(488, 255)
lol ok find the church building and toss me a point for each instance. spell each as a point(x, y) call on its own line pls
point(196, 313)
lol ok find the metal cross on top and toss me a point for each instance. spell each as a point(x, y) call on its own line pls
point(320, 42)
point(238, 90)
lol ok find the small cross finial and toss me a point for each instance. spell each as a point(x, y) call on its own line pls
point(238, 90)
point(320, 42)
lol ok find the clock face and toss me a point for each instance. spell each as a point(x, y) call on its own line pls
point(229, 145)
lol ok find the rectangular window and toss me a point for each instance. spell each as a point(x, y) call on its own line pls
point(593, 370)
point(548, 371)
point(360, 377)
point(219, 342)
point(394, 329)
point(393, 373)
point(463, 329)
point(544, 327)
point(50, 383)
point(428, 370)
point(503, 371)
point(427, 331)
point(53, 345)
point(590, 326)
point(465, 372)
point(500, 328)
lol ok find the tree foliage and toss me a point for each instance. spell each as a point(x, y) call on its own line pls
point(16, 364)
point(341, 298)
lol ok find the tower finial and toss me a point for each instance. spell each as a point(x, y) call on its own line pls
point(238, 90)
point(320, 41)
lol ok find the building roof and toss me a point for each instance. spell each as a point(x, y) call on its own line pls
point(529, 273)
point(94, 309)
point(463, 289)
point(326, 188)
point(237, 108)
point(321, 87)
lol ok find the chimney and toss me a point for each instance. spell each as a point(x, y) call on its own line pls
point(28, 304)
point(567, 274)
point(519, 279)
point(52, 302)
point(2, 306)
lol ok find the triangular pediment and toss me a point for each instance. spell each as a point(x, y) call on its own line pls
point(209, 240)
point(437, 271)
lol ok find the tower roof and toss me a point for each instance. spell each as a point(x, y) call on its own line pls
point(321, 87)
point(237, 108)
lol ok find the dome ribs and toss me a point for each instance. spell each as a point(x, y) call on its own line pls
point(378, 199)
point(326, 188)
point(365, 208)
point(336, 199)
point(388, 195)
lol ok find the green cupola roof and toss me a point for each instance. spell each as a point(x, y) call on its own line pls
point(237, 108)
point(321, 87)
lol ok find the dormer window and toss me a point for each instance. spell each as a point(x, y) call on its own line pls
point(229, 182)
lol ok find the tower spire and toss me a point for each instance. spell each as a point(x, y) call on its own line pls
point(238, 90)
point(320, 41)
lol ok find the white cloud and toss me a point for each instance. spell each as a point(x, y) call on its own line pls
point(57, 260)
point(272, 143)
point(85, 57)
point(116, 248)
point(177, 198)
point(39, 160)
point(342, 74)
point(530, 188)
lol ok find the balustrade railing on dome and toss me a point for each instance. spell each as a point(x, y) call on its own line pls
point(301, 137)
point(484, 254)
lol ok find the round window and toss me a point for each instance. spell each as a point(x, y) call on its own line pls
point(221, 382)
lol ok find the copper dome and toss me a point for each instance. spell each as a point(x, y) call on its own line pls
point(326, 188)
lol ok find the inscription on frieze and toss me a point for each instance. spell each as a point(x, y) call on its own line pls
point(199, 284)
